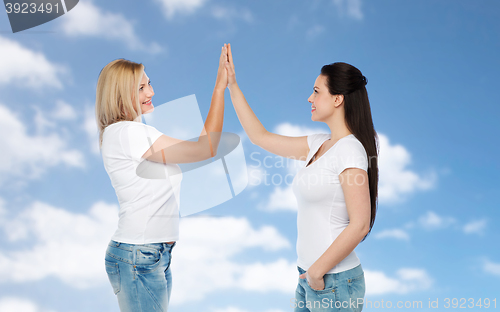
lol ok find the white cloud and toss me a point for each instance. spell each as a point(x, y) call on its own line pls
point(395, 179)
point(28, 156)
point(63, 111)
point(3, 210)
point(475, 227)
point(352, 8)
point(45, 120)
point(314, 31)
point(407, 280)
point(60, 238)
point(255, 176)
point(13, 304)
point(296, 130)
point(42, 123)
point(432, 221)
point(180, 7)
point(393, 233)
point(19, 64)
point(89, 20)
point(90, 127)
point(282, 199)
point(55, 239)
point(231, 13)
point(203, 257)
point(491, 267)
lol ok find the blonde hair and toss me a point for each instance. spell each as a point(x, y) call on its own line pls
point(117, 94)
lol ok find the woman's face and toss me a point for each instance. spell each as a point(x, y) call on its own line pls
point(323, 103)
point(145, 94)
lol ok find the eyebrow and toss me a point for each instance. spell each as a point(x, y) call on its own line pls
point(316, 87)
point(149, 80)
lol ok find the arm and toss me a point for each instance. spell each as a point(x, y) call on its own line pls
point(357, 199)
point(290, 147)
point(170, 150)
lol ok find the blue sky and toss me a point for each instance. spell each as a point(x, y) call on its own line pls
point(432, 68)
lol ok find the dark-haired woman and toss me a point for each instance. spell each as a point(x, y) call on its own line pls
point(336, 190)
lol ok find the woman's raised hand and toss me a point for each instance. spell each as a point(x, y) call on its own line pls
point(231, 76)
point(221, 81)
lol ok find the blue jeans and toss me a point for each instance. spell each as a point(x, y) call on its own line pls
point(140, 275)
point(344, 291)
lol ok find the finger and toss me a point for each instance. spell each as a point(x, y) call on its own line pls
point(229, 68)
point(223, 54)
point(302, 276)
point(221, 58)
point(230, 54)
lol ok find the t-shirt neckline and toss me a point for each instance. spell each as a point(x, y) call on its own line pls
point(331, 147)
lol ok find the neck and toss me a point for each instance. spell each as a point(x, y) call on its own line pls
point(338, 127)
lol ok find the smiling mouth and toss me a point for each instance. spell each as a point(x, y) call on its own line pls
point(148, 102)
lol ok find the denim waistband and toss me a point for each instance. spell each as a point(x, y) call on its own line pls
point(130, 247)
point(354, 272)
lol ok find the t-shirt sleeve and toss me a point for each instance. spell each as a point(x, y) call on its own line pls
point(137, 138)
point(313, 139)
point(310, 139)
point(350, 154)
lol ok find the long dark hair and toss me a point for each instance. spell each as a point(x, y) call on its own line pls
point(347, 80)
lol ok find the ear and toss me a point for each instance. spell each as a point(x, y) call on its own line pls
point(338, 100)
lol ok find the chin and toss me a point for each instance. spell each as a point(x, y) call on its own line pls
point(148, 110)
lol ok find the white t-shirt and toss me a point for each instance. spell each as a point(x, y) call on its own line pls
point(149, 208)
point(322, 213)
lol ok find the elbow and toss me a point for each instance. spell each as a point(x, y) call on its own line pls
point(365, 229)
point(362, 228)
point(213, 152)
point(256, 139)
point(253, 141)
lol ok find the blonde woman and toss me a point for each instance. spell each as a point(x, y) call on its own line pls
point(336, 189)
point(139, 254)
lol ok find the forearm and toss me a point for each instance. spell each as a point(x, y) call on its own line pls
point(249, 121)
point(213, 125)
point(341, 247)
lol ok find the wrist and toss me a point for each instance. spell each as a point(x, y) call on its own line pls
point(219, 89)
point(314, 273)
point(232, 86)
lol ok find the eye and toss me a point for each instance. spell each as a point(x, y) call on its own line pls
point(141, 88)
point(149, 83)
point(315, 91)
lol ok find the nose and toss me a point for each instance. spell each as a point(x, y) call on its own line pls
point(151, 91)
point(310, 99)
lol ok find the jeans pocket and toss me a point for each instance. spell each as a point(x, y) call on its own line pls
point(356, 288)
point(147, 259)
point(113, 275)
point(329, 286)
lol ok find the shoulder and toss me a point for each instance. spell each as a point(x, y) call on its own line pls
point(132, 128)
point(314, 139)
point(348, 149)
point(349, 153)
point(350, 144)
